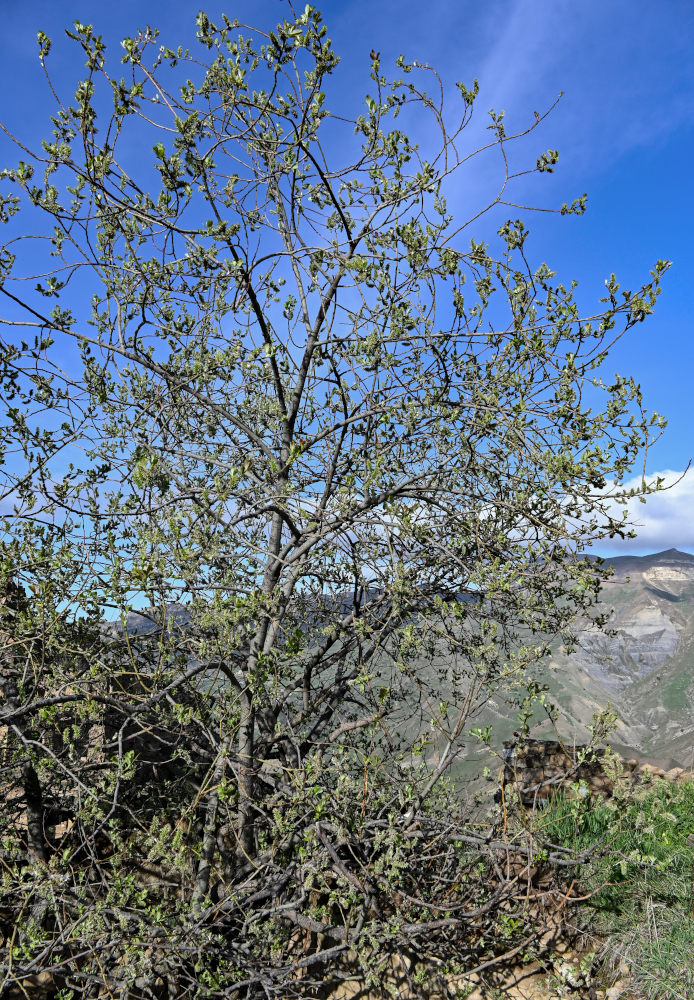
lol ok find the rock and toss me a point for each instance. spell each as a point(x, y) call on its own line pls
point(602, 784)
point(539, 768)
point(572, 975)
point(655, 772)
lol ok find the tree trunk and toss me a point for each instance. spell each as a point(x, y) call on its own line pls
point(209, 841)
point(36, 841)
point(246, 776)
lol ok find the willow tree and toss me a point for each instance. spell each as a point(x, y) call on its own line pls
point(339, 455)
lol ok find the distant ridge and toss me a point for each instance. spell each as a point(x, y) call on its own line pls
point(623, 564)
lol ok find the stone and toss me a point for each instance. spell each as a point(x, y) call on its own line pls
point(538, 768)
point(573, 976)
point(656, 772)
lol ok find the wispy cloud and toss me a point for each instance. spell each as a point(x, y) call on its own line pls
point(620, 92)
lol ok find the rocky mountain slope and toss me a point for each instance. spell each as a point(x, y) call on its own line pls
point(644, 668)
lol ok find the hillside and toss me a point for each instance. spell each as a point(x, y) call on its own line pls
point(644, 668)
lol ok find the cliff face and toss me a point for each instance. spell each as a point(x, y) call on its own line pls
point(645, 668)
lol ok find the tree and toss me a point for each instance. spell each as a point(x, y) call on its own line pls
point(341, 457)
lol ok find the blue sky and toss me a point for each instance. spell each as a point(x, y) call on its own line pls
point(624, 128)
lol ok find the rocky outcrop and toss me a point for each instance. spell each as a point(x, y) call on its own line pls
point(538, 768)
point(638, 644)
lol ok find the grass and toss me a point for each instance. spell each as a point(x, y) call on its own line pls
point(641, 879)
point(675, 692)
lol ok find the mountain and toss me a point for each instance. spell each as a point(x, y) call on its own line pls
point(644, 668)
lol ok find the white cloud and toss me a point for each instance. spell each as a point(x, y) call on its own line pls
point(665, 520)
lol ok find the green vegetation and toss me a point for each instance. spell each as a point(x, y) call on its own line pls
point(675, 693)
point(641, 883)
